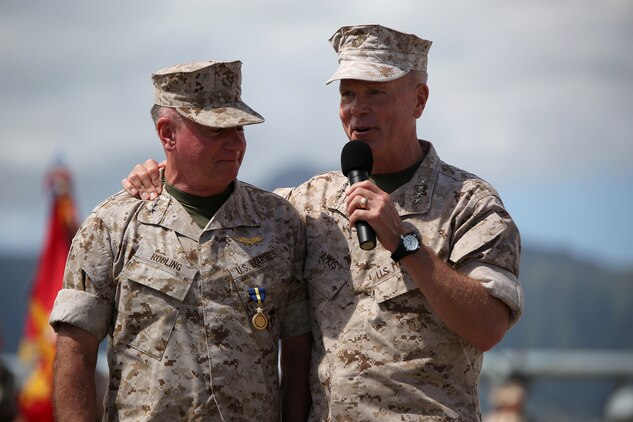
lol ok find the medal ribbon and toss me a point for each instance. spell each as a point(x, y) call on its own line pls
point(257, 294)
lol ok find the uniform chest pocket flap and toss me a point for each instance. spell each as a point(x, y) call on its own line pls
point(152, 291)
point(398, 283)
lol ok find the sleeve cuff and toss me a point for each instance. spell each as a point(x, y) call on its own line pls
point(500, 283)
point(83, 310)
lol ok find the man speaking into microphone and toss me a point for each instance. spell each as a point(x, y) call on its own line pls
point(400, 329)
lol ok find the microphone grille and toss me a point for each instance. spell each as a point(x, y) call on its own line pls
point(356, 155)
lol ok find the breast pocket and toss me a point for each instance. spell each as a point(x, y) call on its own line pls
point(262, 285)
point(327, 277)
point(151, 295)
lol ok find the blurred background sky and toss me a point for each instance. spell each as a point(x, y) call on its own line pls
point(534, 96)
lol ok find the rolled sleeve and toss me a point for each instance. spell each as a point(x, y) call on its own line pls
point(82, 310)
point(86, 299)
point(500, 283)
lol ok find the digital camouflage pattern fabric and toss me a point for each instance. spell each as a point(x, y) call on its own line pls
point(174, 302)
point(380, 352)
point(207, 92)
point(376, 53)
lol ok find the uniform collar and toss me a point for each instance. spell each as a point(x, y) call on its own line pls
point(238, 211)
point(165, 211)
point(413, 197)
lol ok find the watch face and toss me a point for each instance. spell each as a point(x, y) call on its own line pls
point(410, 242)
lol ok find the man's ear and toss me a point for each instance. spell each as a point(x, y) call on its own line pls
point(165, 127)
point(421, 95)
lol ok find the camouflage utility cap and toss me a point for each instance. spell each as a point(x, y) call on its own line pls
point(377, 53)
point(206, 92)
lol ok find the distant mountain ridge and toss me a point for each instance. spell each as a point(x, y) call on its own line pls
point(572, 303)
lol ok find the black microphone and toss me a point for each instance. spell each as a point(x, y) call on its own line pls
point(357, 162)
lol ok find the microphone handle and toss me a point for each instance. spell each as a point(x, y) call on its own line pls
point(366, 235)
point(355, 176)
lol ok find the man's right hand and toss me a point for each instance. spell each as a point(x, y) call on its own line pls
point(144, 180)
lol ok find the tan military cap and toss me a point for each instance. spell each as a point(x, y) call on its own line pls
point(376, 53)
point(207, 92)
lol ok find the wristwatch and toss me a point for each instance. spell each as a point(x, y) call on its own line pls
point(409, 243)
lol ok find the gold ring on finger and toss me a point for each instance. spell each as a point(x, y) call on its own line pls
point(363, 202)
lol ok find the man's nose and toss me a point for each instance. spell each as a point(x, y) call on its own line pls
point(234, 138)
point(358, 106)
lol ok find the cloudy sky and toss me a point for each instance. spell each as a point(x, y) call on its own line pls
point(534, 96)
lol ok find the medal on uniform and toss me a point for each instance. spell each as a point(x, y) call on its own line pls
point(260, 320)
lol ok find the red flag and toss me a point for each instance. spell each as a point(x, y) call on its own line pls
point(37, 349)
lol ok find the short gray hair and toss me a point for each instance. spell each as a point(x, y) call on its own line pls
point(159, 111)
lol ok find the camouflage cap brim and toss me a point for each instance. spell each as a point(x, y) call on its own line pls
point(232, 115)
point(374, 72)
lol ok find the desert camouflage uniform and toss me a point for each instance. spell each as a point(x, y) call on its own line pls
point(174, 301)
point(380, 352)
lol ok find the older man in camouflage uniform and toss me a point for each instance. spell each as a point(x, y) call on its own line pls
point(195, 288)
point(399, 330)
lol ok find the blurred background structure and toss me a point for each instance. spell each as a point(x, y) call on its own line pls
point(535, 97)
